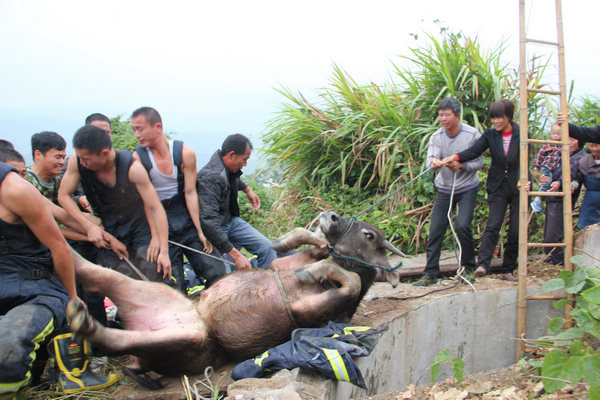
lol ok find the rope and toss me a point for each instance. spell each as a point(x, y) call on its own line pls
point(393, 193)
point(201, 252)
point(134, 268)
point(332, 252)
point(284, 297)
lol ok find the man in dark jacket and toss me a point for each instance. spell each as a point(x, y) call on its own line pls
point(503, 142)
point(218, 185)
point(581, 133)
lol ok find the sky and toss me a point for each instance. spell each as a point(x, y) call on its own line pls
point(211, 68)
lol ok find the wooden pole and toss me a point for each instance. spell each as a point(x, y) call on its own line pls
point(523, 179)
point(565, 156)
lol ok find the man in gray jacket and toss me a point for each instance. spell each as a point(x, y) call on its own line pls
point(458, 182)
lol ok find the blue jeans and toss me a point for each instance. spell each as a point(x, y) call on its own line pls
point(439, 224)
point(242, 234)
point(546, 172)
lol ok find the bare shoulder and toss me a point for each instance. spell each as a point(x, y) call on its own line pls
point(189, 157)
point(18, 198)
point(137, 173)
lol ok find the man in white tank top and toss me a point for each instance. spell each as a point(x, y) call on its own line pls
point(172, 170)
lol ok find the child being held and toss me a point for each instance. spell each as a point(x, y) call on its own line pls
point(545, 162)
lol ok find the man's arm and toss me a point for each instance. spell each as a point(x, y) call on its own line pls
point(192, 203)
point(155, 214)
point(67, 187)
point(24, 200)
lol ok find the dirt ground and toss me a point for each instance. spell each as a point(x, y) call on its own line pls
point(507, 384)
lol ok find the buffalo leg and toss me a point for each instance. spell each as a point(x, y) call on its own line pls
point(296, 238)
point(331, 299)
point(142, 305)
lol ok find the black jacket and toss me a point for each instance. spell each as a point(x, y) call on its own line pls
point(502, 166)
point(217, 192)
point(585, 134)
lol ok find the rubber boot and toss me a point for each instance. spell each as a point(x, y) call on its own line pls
point(69, 364)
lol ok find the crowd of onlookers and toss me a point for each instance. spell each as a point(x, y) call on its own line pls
point(455, 151)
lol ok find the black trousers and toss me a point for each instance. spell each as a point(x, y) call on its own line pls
point(553, 231)
point(507, 196)
point(183, 231)
point(439, 224)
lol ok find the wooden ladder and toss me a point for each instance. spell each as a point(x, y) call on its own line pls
point(524, 168)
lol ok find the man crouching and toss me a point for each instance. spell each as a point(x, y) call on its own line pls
point(37, 276)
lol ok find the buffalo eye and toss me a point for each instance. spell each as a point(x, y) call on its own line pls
point(369, 235)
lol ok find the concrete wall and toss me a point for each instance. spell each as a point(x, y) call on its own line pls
point(479, 328)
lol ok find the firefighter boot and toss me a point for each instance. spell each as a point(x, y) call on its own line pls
point(69, 357)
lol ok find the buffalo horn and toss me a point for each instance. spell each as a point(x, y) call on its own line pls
point(393, 249)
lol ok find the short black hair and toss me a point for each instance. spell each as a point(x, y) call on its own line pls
point(44, 141)
point(236, 143)
point(150, 114)
point(92, 139)
point(450, 103)
point(7, 154)
point(5, 144)
point(501, 108)
point(97, 117)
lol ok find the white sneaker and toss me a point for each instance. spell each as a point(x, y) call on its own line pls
point(536, 206)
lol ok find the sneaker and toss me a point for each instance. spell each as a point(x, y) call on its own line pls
point(536, 206)
point(425, 281)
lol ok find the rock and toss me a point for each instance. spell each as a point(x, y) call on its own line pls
point(452, 394)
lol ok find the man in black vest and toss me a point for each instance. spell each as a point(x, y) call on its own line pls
point(121, 194)
point(172, 170)
point(36, 270)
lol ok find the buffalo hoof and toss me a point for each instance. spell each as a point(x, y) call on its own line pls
point(304, 276)
point(79, 319)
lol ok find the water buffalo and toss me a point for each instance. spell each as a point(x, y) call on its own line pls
point(242, 314)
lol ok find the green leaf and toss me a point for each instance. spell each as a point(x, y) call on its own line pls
point(442, 356)
point(555, 324)
point(592, 295)
point(572, 370)
point(576, 283)
point(561, 303)
point(536, 363)
point(553, 284)
point(577, 348)
point(594, 392)
point(552, 368)
point(577, 260)
point(435, 370)
point(591, 369)
point(458, 367)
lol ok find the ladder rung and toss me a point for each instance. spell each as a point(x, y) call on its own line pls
point(541, 42)
point(532, 244)
point(546, 194)
point(557, 93)
point(544, 141)
point(546, 298)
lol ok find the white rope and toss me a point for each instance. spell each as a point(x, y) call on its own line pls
point(461, 268)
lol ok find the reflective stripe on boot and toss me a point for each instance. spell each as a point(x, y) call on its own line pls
point(71, 359)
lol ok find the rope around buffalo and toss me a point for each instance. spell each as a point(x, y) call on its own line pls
point(354, 218)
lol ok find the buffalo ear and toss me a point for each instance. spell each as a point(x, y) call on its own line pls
point(393, 249)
